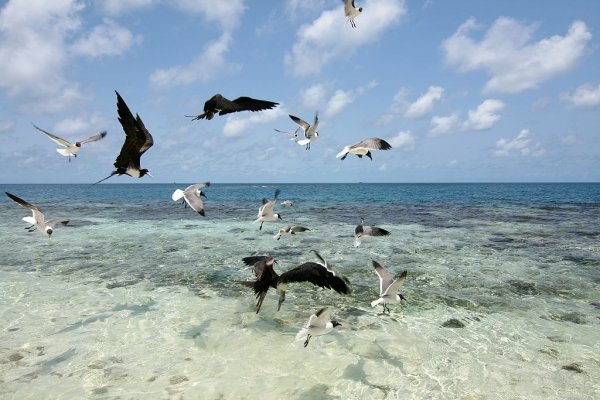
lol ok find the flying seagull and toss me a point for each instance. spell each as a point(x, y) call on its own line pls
point(287, 203)
point(137, 141)
point(289, 230)
point(293, 135)
point(191, 195)
point(318, 324)
point(360, 233)
point(319, 274)
point(221, 105)
point(70, 149)
point(265, 212)
point(310, 131)
point(388, 287)
point(364, 147)
point(37, 220)
point(351, 11)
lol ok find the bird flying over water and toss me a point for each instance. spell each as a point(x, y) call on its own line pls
point(70, 149)
point(364, 147)
point(318, 324)
point(137, 141)
point(388, 287)
point(266, 213)
point(221, 105)
point(360, 233)
point(192, 196)
point(37, 220)
point(319, 274)
point(310, 131)
point(351, 12)
point(289, 230)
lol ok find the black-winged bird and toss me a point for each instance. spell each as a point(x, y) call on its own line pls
point(360, 233)
point(37, 220)
point(192, 196)
point(364, 147)
point(221, 105)
point(351, 11)
point(388, 287)
point(318, 324)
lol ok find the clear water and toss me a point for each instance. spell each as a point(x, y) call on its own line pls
point(137, 298)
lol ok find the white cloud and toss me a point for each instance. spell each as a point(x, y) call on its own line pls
point(237, 125)
point(569, 139)
point(328, 38)
point(314, 96)
point(484, 116)
point(522, 144)
point(507, 52)
point(117, 7)
point(399, 104)
point(342, 98)
point(6, 125)
point(106, 39)
point(87, 125)
point(424, 104)
point(210, 63)
point(443, 125)
point(226, 13)
point(584, 96)
point(403, 140)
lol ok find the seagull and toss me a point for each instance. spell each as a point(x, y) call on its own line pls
point(137, 141)
point(192, 195)
point(289, 230)
point(310, 131)
point(287, 203)
point(360, 233)
point(388, 287)
point(364, 147)
point(318, 324)
point(351, 11)
point(293, 135)
point(70, 149)
point(265, 212)
point(221, 105)
point(37, 220)
point(319, 274)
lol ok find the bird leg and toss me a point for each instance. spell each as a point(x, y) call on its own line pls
point(260, 228)
point(386, 308)
point(30, 228)
point(307, 340)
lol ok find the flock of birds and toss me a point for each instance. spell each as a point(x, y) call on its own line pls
point(138, 140)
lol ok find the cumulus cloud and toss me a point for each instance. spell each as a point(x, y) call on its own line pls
point(403, 140)
point(584, 96)
point(508, 53)
point(444, 125)
point(342, 98)
point(399, 104)
point(117, 7)
point(207, 65)
point(86, 125)
point(484, 116)
point(314, 96)
point(106, 39)
point(6, 125)
point(237, 125)
point(424, 104)
point(328, 38)
point(522, 144)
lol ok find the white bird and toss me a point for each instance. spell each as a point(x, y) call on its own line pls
point(289, 230)
point(310, 131)
point(70, 149)
point(351, 11)
point(293, 135)
point(360, 234)
point(318, 324)
point(266, 212)
point(37, 220)
point(191, 195)
point(287, 203)
point(388, 287)
point(364, 147)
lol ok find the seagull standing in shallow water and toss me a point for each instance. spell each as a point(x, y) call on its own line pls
point(310, 131)
point(137, 141)
point(319, 274)
point(388, 287)
point(37, 220)
point(221, 105)
point(265, 212)
point(360, 234)
point(192, 196)
point(70, 149)
point(318, 324)
point(351, 11)
point(364, 147)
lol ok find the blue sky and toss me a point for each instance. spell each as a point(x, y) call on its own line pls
point(465, 91)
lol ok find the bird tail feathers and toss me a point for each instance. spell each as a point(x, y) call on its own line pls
point(302, 334)
point(64, 152)
point(303, 142)
point(29, 220)
point(177, 195)
point(375, 303)
point(341, 153)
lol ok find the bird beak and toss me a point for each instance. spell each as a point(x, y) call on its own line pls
point(150, 175)
point(281, 300)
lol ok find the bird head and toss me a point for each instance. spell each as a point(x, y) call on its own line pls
point(369, 155)
point(335, 323)
point(49, 232)
point(145, 172)
point(359, 9)
point(77, 144)
point(201, 193)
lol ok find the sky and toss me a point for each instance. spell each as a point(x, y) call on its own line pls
point(464, 91)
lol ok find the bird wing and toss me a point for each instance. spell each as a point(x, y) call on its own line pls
point(320, 318)
point(137, 137)
point(94, 138)
point(385, 279)
point(53, 222)
point(372, 144)
point(376, 231)
point(318, 275)
point(22, 202)
point(299, 229)
point(395, 285)
point(348, 6)
point(54, 138)
point(300, 122)
point(253, 259)
point(267, 208)
point(190, 194)
point(247, 104)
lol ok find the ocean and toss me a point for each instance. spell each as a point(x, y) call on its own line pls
point(138, 297)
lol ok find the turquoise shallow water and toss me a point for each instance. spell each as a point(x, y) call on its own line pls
point(137, 298)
